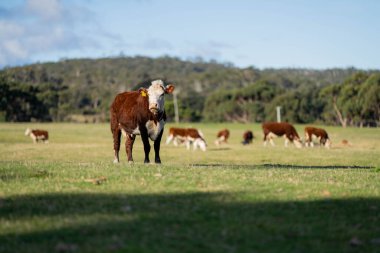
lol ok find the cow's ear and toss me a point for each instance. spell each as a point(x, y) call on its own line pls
point(143, 92)
point(169, 88)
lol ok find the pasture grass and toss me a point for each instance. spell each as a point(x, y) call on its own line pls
point(67, 196)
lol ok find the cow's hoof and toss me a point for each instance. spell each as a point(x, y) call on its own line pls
point(158, 161)
point(115, 161)
point(146, 161)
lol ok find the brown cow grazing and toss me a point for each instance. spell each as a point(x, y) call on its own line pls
point(247, 137)
point(222, 137)
point(319, 133)
point(275, 129)
point(187, 136)
point(37, 135)
point(140, 113)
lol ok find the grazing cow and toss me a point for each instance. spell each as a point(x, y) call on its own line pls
point(319, 133)
point(140, 113)
point(222, 137)
point(37, 135)
point(247, 137)
point(275, 129)
point(188, 136)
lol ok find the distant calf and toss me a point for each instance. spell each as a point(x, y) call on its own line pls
point(37, 135)
point(346, 143)
point(222, 137)
point(277, 129)
point(318, 133)
point(187, 136)
point(247, 137)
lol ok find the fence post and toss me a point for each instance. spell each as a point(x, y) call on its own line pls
point(278, 109)
point(175, 102)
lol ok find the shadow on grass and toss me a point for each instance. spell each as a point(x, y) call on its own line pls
point(198, 222)
point(218, 149)
point(279, 166)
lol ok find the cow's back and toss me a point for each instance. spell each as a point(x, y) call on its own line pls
point(319, 132)
point(175, 131)
point(193, 133)
point(279, 129)
point(128, 102)
point(225, 133)
point(42, 134)
point(129, 109)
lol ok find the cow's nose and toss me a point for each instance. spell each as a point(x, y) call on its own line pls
point(153, 105)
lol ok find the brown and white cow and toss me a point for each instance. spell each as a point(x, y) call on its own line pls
point(140, 113)
point(37, 135)
point(187, 136)
point(277, 129)
point(222, 136)
point(247, 137)
point(318, 133)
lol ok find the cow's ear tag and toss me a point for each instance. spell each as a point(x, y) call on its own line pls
point(143, 93)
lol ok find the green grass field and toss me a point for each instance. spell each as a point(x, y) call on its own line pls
point(68, 196)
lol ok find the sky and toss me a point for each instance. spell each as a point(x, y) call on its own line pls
point(264, 34)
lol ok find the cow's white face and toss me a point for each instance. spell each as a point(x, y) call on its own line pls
point(200, 143)
point(27, 131)
point(328, 143)
point(298, 143)
point(156, 94)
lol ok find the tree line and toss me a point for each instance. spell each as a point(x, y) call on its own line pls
point(354, 102)
point(81, 90)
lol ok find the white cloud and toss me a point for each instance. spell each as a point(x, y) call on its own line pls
point(8, 29)
point(47, 27)
point(157, 44)
point(14, 47)
point(210, 50)
point(46, 9)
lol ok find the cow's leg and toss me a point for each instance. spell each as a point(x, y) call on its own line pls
point(195, 144)
point(310, 140)
point(145, 140)
point(271, 136)
point(220, 140)
point(157, 144)
point(272, 142)
point(169, 139)
point(130, 139)
point(116, 134)
point(175, 141)
point(307, 141)
point(265, 140)
point(286, 141)
point(116, 143)
point(188, 144)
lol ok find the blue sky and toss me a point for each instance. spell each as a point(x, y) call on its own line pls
point(268, 33)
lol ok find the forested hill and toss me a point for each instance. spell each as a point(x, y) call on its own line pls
point(82, 89)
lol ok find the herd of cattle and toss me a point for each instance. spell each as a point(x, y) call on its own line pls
point(142, 113)
point(271, 130)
